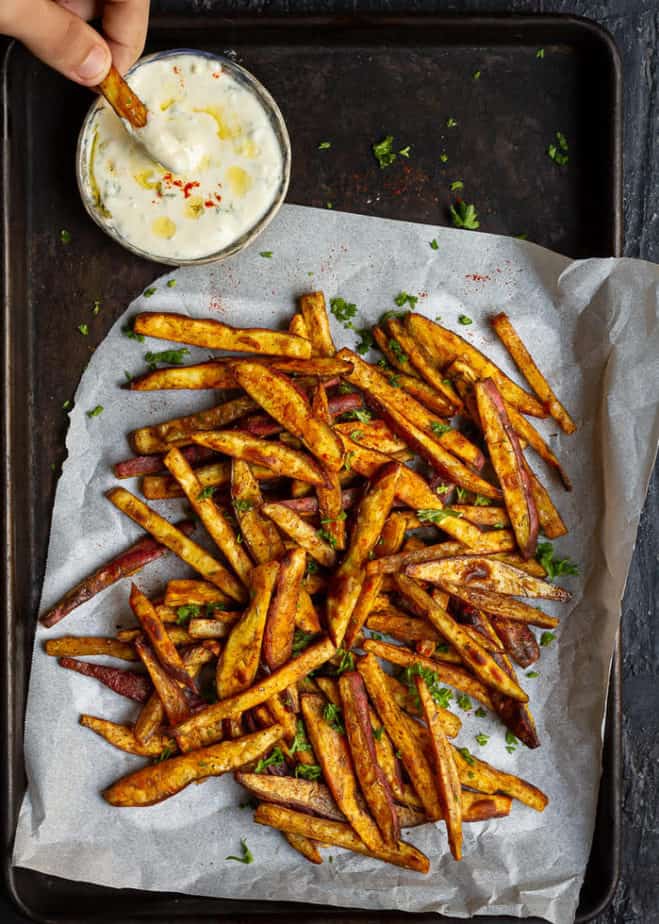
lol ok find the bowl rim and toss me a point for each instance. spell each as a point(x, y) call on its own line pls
point(274, 114)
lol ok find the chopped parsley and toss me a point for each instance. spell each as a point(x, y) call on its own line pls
point(300, 742)
point(347, 462)
point(96, 307)
point(165, 754)
point(384, 152)
point(65, 236)
point(206, 492)
point(308, 772)
point(433, 244)
point(149, 292)
point(558, 152)
point(451, 122)
point(377, 732)
point(464, 215)
point(242, 506)
point(186, 613)
point(441, 695)
point(461, 494)
point(405, 152)
point(334, 718)
point(356, 435)
point(127, 331)
point(443, 488)
point(443, 157)
point(441, 648)
point(465, 320)
point(211, 607)
point(456, 185)
point(83, 329)
point(346, 389)
point(438, 427)
point(301, 640)
point(430, 515)
point(464, 702)
point(540, 53)
point(399, 315)
point(171, 283)
point(480, 712)
point(247, 856)
point(96, 411)
point(326, 537)
point(404, 298)
point(276, 759)
point(173, 357)
point(547, 638)
point(312, 567)
point(511, 742)
point(466, 754)
point(329, 205)
point(362, 414)
point(394, 381)
point(267, 254)
point(482, 739)
point(324, 145)
point(397, 351)
point(481, 501)
point(67, 404)
point(128, 376)
point(365, 342)
point(553, 566)
point(476, 75)
point(347, 662)
point(343, 311)
point(532, 674)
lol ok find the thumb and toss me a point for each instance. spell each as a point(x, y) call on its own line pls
point(62, 40)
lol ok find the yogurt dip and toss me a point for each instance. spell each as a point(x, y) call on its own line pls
point(226, 150)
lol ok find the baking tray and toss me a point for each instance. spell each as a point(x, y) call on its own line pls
point(351, 80)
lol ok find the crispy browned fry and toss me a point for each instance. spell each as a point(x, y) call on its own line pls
point(526, 365)
point(178, 432)
point(149, 465)
point(125, 102)
point(448, 346)
point(213, 374)
point(475, 807)
point(501, 605)
point(349, 577)
point(163, 646)
point(72, 645)
point(551, 523)
point(301, 532)
point(518, 640)
point(216, 523)
point(185, 548)
point(304, 846)
point(279, 397)
point(477, 774)
point(314, 312)
point(218, 336)
point(396, 358)
point(527, 433)
point(372, 781)
point(171, 695)
point(330, 501)
point(340, 835)
point(280, 624)
point(408, 745)
point(421, 360)
point(129, 562)
point(260, 533)
point(264, 425)
point(392, 564)
point(401, 626)
point(471, 649)
point(486, 574)
point(374, 434)
point(303, 795)
point(297, 325)
point(238, 663)
point(159, 781)
point(210, 628)
point(448, 673)
point(126, 683)
point(405, 699)
point(306, 617)
point(331, 749)
point(483, 516)
point(199, 593)
point(282, 461)
point(508, 463)
point(123, 737)
point(448, 782)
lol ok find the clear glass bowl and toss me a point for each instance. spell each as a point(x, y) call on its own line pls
point(278, 125)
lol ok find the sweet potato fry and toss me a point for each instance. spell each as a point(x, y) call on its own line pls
point(159, 781)
point(508, 463)
point(314, 312)
point(213, 374)
point(202, 627)
point(524, 362)
point(394, 354)
point(131, 561)
point(217, 525)
point(282, 461)
point(518, 640)
point(301, 532)
point(349, 577)
point(297, 325)
point(280, 624)
point(281, 399)
point(303, 795)
point(151, 465)
point(492, 517)
point(476, 806)
point(259, 532)
point(488, 575)
point(529, 435)
point(304, 846)
point(123, 100)
point(551, 523)
point(72, 646)
point(123, 737)
point(410, 749)
point(238, 663)
point(448, 346)
point(501, 605)
point(218, 336)
point(448, 782)
point(162, 644)
point(392, 564)
point(421, 360)
point(338, 834)
point(331, 749)
point(185, 548)
point(447, 673)
point(178, 432)
point(372, 781)
point(482, 776)
point(264, 425)
point(173, 699)
point(402, 627)
point(197, 593)
point(374, 434)
point(126, 683)
point(330, 503)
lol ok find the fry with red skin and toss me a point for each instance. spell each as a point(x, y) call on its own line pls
point(502, 605)
point(178, 432)
point(301, 533)
point(486, 574)
point(218, 336)
point(260, 533)
point(123, 737)
point(308, 506)
point(125, 564)
point(282, 461)
point(171, 695)
point(550, 519)
point(264, 425)
point(280, 623)
point(197, 593)
point(159, 781)
point(316, 321)
point(126, 683)
point(373, 434)
point(477, 774)
point(151, 465)
point(75, 646)
point(446, 774)
point(330, 505)
point(372, 781)
point(162, 644)
point(518, 640)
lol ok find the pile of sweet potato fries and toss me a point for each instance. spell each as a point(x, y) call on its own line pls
point(268, 663)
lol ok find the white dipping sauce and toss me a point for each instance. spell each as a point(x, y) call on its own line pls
point(214, 132)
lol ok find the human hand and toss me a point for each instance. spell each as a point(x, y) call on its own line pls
point(56, 32)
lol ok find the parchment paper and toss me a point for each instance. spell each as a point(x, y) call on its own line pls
point(593, 327)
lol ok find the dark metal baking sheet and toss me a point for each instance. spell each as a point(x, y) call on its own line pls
point(352, 80)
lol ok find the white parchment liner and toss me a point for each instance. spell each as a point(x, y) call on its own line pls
point(593, 326)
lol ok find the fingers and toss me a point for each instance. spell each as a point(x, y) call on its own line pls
point(124, 24)
point(61, 39)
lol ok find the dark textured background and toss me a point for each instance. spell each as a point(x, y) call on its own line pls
point(634, 25)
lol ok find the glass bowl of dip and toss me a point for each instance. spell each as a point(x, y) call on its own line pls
point(240, 161)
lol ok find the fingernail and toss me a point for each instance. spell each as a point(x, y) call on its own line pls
point(95, 64)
